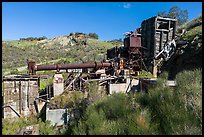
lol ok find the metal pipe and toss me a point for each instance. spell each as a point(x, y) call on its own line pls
point(72, 66)
point(32, 67)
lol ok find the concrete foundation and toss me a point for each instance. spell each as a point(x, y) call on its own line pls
point(19, 94)
point(57, 116)
point(124, 87)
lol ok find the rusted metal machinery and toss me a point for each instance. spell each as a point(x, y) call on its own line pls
point(147, 48)
point(144, 49)
point(129, 56)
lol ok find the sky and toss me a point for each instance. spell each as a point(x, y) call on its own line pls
point(108, 19)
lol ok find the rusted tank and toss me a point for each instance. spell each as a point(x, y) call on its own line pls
point(130, 53)
point(133, 40)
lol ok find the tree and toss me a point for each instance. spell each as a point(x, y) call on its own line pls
point(34, 38)
point(176, 13)
point(42, 38)
point(93, 35)
point(162, 13)
point(70, 34)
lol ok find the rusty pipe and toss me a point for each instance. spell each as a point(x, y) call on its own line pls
point(72, 66)
point(32, 67)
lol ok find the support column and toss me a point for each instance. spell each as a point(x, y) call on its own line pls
point(58, 84)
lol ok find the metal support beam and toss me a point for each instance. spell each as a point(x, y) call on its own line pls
point(12, 109)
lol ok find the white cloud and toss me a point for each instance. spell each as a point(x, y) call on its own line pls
point(126, 5)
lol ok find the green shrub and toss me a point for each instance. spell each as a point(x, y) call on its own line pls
point(11, 126)
point(45, 82)
point(67, 99)
point(189, 91)
point(94, 94)
point(46, 128)
point(168, 106)
point(162, 111)
point(114, 116)
point(114, 106)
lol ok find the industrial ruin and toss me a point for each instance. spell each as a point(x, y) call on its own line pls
point(147, 48)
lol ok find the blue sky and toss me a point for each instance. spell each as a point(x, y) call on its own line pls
point(108, 19)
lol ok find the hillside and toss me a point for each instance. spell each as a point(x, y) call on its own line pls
point(189, 48)
point(63, 49)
